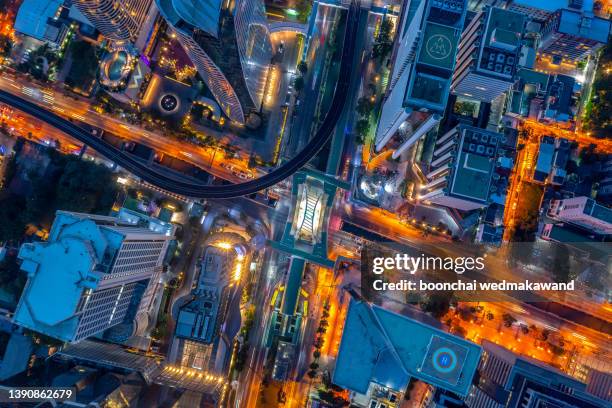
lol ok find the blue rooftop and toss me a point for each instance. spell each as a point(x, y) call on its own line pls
point(552, 5)
point(33, 15)
point(75, 258)
point(387, 348)
point(200, 14)
point(584, 26)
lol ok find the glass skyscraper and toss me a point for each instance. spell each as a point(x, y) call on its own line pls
point(118, 20)
point(229, 44)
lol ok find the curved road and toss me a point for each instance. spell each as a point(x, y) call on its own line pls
point(200, 190)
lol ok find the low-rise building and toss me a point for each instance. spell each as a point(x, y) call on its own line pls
point(544, 163)
point(205, 326)
point(542, 97)
point(583, 211)
point(571, 35)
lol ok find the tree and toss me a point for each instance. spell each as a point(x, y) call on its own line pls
point(383, 44)
point(362, 127)
point(84, 67)
point(302, 67)
point(11, 278)
point(303, 8)
point(508, 319)
point(364, 106)
point(460, 331)
point(13, 223)
point(298, 83)
point(437, 304)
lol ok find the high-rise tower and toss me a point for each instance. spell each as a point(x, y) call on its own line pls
point(118, 20)
point(83, 279)
point(229, 44)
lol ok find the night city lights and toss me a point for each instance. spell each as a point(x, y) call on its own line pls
point(306, 203)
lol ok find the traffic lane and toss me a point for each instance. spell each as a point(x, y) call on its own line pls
point(77, 109)
point(233, 190)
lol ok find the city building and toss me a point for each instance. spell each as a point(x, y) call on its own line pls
point(40, 19)
point(583, 211)
point(89, 269)
point(508, 380)
point(541, 97)
point(489, 53)
point(570, 35)
point(229, 44)
point(544, 162)
point(541, 10)
point(166, 384)
point(381, 351)
point(599, 383)
point(469, 169)
point(604, 191)
point(583, 243)
point(15, 353)
point(117, 20)
point(289, 306)
point(423, 64)
point(203, 330)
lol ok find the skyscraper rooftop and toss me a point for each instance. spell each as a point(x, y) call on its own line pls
point(87, 270)
point(376, 347)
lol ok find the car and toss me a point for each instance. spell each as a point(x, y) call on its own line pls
point(158, 157)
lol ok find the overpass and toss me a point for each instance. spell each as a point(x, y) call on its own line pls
point(201, 190)
point(284, 26)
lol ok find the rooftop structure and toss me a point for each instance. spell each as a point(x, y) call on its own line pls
point(38, 19)
point(203, 329)
point(571, 35)
point(542, 97)
point(488, 54)
point(583, 211)
point(15, 353)
point(117, 20)
point(599, 383)
point(106, 355)
point(89, 269)
point(376, 352)
point(604, 192)
point(508, 380)
point(544, 163)
point(229, 44)
point(463, 172)
point(541, 10)
point(423, 63)
point(143, 220)
point(287, 315)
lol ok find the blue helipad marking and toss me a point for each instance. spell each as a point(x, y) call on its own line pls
point(444, 360)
